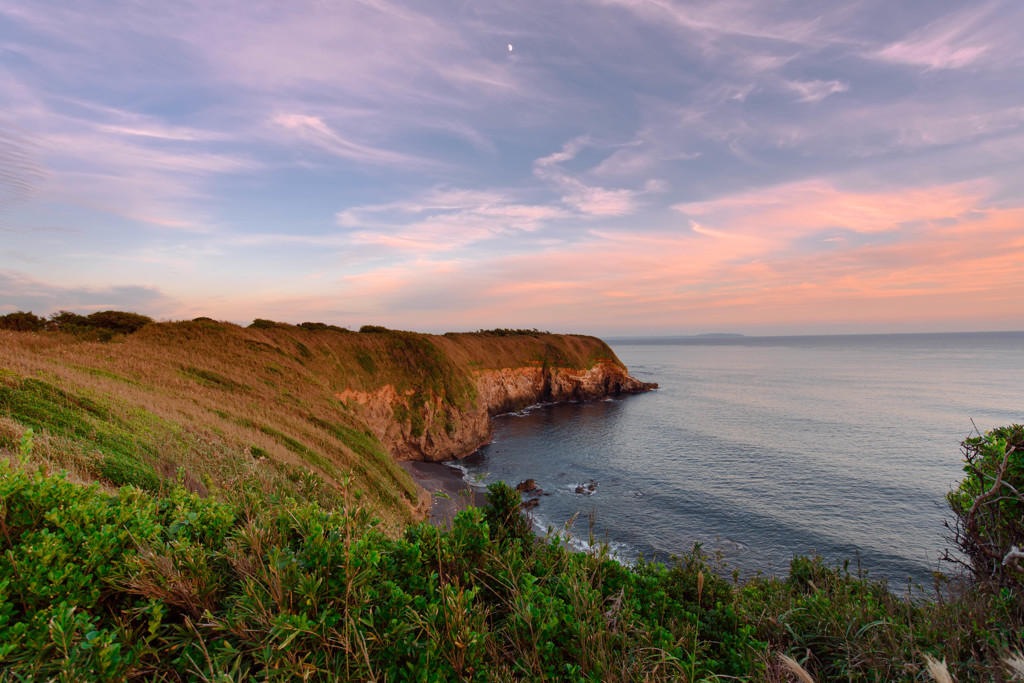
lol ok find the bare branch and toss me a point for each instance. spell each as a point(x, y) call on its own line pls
point(1012, 557)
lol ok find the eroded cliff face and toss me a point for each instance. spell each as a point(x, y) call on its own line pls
point(510, 389)
point(436, 431)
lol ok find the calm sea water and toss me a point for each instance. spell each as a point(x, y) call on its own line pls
point(770, 447)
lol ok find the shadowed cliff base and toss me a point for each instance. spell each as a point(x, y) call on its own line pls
point(450, 493)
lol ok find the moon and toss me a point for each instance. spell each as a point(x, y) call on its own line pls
point(510, 48)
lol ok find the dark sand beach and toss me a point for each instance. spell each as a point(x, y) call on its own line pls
point(439, 478)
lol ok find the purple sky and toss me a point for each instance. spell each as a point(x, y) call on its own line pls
point(604, 166)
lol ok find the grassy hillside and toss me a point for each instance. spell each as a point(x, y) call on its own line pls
point(213, 404)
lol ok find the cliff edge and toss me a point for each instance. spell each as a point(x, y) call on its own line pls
point(444, 434)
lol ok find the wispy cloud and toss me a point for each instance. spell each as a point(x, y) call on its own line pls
point(732, 18)
point(312, 129)
point(588, 199)
point(730, 276)
point(814, 205)
point(445, 219)
point(815, 91)
point(958, 40)
point(20, 170)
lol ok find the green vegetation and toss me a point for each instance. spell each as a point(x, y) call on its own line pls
point(119, 457)
point(989, 506)
point(262, 584)
point(264, 324)
point(108, 587)
point(117, 322)
point(436, 375)
point(506, 332)
point(210, 378)
point(322, 326)
point(101, 325)
point(22, 321)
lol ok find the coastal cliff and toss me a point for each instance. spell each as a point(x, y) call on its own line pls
point(445, 435)
point(301, 408)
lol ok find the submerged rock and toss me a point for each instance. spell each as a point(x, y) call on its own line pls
point(587, 488)
point(526, 486)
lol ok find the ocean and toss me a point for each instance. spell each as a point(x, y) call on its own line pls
point(762, 448)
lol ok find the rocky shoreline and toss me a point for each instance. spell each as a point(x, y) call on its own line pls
point(444, 432)
point(449, 492)
point(498, 392)
point(507, 390)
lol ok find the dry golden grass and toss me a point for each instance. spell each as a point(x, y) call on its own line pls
point(208, 402)
point(1015, 666)
point(796, 669)
point(938, 670)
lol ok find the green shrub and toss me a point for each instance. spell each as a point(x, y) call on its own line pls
point(119, 322)
point(123, 470)
point(66, 321)
point(989, 506)
point(21, 321)
point(507, 332)
point(264, 324)
point(504, 518)
point(102, 325)
point(177, 587)
point(322, 326)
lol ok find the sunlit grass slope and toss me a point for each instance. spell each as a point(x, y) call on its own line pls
point(213, 405)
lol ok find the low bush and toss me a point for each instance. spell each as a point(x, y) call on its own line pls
point(507, 332)
point(118, 322)
point(103, 325)
point(322, 326)
point(66, 321)
point(264, 324)
point(107, 587)
point(989, 506)
point(22, 321)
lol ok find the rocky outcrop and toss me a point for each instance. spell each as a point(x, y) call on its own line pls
point(511, 389)
point(439, 431)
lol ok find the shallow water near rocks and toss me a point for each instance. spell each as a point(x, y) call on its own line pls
point(769, 447)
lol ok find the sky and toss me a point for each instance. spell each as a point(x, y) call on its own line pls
point(610, 167)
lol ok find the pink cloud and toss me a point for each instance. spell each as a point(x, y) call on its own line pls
point(589, 199)
point(815, 205)
point(943, 259)
point(445, 220)
point(954, 262)
point(113, 161)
